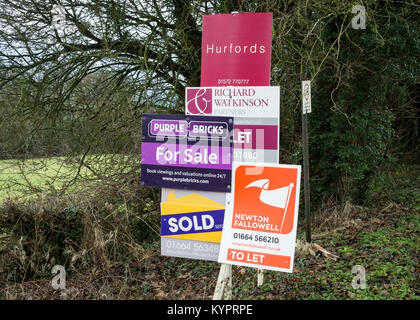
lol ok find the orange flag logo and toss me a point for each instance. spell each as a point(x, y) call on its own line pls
point(266, 201)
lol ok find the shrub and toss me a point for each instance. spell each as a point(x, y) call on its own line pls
point(97, 229)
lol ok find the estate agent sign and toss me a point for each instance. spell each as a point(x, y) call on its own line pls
point(256, 111)
point(191, 223)
point(187, 152)
point(261, 216)
point(236, 49)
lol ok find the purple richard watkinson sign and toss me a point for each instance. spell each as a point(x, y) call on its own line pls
point(187, 152)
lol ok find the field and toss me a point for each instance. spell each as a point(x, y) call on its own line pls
point(382, 238)
point(16, 176)
point(23, 179)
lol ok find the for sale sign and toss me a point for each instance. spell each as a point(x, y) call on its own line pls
point(236, 49)
point(261, 216)
point(187, 152)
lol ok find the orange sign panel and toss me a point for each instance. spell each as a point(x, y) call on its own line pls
point(261, 216)
point(265, 202)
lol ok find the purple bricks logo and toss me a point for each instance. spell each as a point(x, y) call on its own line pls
point(199, 101)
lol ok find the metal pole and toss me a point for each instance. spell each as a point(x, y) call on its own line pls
point(306, 176)
point(306, 172)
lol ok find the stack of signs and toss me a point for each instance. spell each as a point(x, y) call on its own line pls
point(181, 153)
point(233, 116)
point(235, 78)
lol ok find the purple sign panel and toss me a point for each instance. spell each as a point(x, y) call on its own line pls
point(187, 152)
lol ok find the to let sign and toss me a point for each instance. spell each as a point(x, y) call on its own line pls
point(261, 214)
point(256, 111)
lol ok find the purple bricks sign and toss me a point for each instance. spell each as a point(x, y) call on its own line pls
point(187, 152)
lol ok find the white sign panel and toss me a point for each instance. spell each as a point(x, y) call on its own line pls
point(306, 97)
point(233, 101)
point(256, 112)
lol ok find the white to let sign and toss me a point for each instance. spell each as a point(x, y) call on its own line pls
point(256, 112)
point(261, 216)
point(306, 97)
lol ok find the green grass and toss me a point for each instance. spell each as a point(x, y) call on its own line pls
point(16, 176)
point(25, 178)
point(388, 254)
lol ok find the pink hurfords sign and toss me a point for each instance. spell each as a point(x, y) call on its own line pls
point(236, 49)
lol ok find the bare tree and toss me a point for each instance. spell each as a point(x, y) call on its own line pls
point(156, 43)
point(143, 53)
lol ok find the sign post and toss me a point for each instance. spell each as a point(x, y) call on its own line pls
point(306, 108)
point(224, 283)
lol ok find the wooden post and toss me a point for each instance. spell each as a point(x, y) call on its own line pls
point(224, 283)
point(260, 277)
